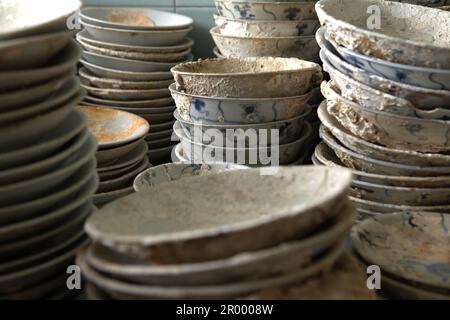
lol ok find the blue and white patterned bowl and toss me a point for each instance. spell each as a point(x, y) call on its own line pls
point(174, 171)
point(211, 110)
point(216, 134)
point(250, 10)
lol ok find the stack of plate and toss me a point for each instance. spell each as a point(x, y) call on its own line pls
point(232, 110)
point(241, 232)
point(388, 109)
point(265, 28)
point(47, 165)
point(396, 242)
point(127, 55)
point(121, 153)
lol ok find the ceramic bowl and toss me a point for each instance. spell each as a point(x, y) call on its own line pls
point(124, 180)
point(87, 38)
point(217, 53)
point(243, 266)
point(249, 28)
point(60, 65)
point(130, 105)
point(109, 155)
point(100, 199)
point(141, 56)
point(253, 156)
point(303, 47)
point(407, 233)
point(432, 78)
point(210, 110)
point(400, 195)
point(376, 100)
point(220, 135)
point(27, 17)
point(151, 38)
point(325, 156)
point(417, 38)
point(32, 52)
point(178, 155)
point(249, 224)
point(406, 133)
point(113, 128)
point(135, 18)
point(377, 151)
point(421, 97)
point(247, 78)
point(125, 94)
point(383, 208)
point(133, 157)
point(175, 171)
point(263, 10)
point(363, 163)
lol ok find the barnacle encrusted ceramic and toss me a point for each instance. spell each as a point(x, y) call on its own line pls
point(263, 10)
point(326, 156)
point(174, 171)
point(283, 258)
point(266, 28)
point(381, 207)
point(408, 34)
point(216, 110)
point(272, 209)
point(363, 163)
point(125, 290)
point(396, 243)
point(113, 128)
point(303, 47)
point(263, 77)
point(377, 151)
point(406, 133)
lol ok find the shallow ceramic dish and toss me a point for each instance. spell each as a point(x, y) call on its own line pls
point(302, 47)
point(25, 132)
point(407, 233)
point(32, 52)
point(151, 38)
point(163, 133)
point(395, 289)
point(160, 155)
point(115, 173)
point(113, 128)
point(161, 127)
point(141, 56)
point(61, 65)
point(383, 208)
point(123, 181)
point(377, 151)
point(125, 75)
point(156, 118)
point(175, 171)
point(185, 44)
point(68, 128)
point(292, 209)
point(263, 10)
point(217, 52)
point(131, 105)
point(109, 155)
point(27, 17)
point(210, 110)
point(123, 290)
point(134, 156)
point(90, 79)
point(363, 163)
point(409, 34)
point(399, 195)
point(253, 156)
point(154, 110)
point(100, 199)
point(249, 28)
point(122, 94)
point(376, 100)
point(406, 133)
point(160, 143)
point(247, 78)
point(245, 266)
point(432, 78)
point(135, 18)
point(327, 157)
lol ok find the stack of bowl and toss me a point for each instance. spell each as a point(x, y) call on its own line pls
point(247, 28)
point(121, 153)
point(388, 108)
point(127, 55)
point(222, 101)
point(47, 165)
point(226, 247)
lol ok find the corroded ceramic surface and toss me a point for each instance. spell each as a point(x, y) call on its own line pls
point(263, 77)
point(409, 34)
point(411, 246)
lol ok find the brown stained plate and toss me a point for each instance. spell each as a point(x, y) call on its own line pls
point(412, 246)
point(112, 127)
